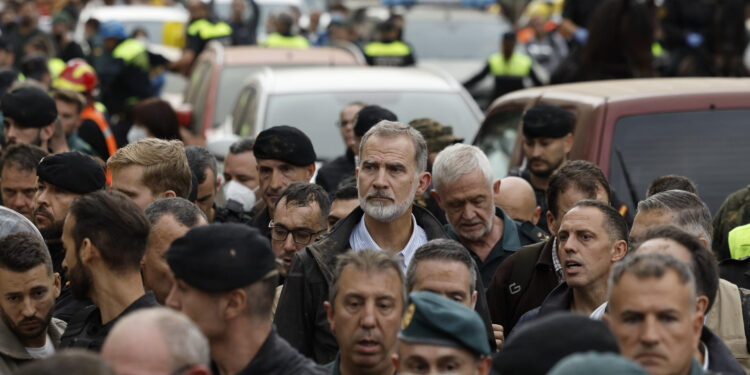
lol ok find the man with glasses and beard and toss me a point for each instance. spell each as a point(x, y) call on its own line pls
point(104, 237)
point(28, 287)
point(61, 178)
point(391, 171)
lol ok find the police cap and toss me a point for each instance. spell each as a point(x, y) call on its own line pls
point(285, 143)
point(29, 107)
point(72, 171)
point(547, 121)
point(221, 257)
point(369, 116)
point(432, 319)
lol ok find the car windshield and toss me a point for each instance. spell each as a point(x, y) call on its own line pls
point(701, 145)
point(223, 10)
point(230, 85)
point(454, 38)
point(497, 138)
point(316, 113)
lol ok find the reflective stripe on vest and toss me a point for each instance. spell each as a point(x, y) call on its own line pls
point(395, 48)
point(276, 40)
point(90, 113)
point(519, 65)
point(205, 29)
point(132, 52)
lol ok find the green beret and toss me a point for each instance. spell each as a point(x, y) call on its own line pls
point(432, 319)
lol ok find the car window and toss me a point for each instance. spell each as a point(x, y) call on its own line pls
point(448, 38)
point(230, 84)
point(709, 147)
point(193, 87)
point(316, 113)
point(247, 108)
point(497, 138)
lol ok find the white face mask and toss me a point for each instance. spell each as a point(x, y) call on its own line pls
point(136, 133)
point(239, 193)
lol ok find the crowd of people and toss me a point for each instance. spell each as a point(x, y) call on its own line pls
point(125, 251)
point(405, 254)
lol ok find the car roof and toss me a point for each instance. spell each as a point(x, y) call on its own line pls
point(254, 55)
point(269, 2)
point(447, 12)
point(632, 89)
point(344, 78)
point(136, 13)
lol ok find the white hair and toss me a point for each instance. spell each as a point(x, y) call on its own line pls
point(457, 160)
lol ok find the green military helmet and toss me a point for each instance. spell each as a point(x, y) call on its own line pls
point(437, 135)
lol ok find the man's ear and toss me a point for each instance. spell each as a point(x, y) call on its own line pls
point(47, 132)
point(551, 224)
point(168, 194)
point(704, 241)
point(619, 250)
point(701, 303)
point(329, 316)
point(58, 284)
point(537, 215)
point(424, 182)
point(310, 169)
point(394, 359)
point(235, 303)
point(568, 142)
point(484, 366)
point(87, 252)
point(496, 186)
point(474, 299)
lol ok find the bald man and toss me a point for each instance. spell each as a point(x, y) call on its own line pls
point(516, 197)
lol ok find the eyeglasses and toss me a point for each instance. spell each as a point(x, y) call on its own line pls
point(300, 236)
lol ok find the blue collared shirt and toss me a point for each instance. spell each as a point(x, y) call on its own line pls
point(360, 239)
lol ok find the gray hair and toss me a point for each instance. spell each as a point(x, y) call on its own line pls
point(691, 213)
point(457, 160)
point(644, 266)
point(366, 261)
point(182, 209)
point(441, 250)
point(392, 129)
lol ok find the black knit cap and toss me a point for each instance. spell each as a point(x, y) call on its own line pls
point(72, 171)
point(369, 116)
point(29, 107)
point(547, 121)
point(221, 257)
point(285, 143)
point(537, 346)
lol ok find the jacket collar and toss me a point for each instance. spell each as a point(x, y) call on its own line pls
point(336, 242)
point(12, 347)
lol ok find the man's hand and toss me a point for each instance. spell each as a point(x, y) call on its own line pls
point(499, 333)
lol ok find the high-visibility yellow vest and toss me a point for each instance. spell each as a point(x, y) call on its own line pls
point(276, 40)
point(519, 65)
point(206, 29)
point(395, 48)
point(133, 52)
point(55, 67)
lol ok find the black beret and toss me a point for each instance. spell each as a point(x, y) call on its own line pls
point(72, 171)
point(547, 121)
point(285, 143)
point(221, 257)
point(369, 116)
point(29, 107)
point(534, 348)
point(7, 77)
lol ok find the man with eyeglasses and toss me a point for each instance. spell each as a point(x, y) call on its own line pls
point(332, 173)
point(299, 218)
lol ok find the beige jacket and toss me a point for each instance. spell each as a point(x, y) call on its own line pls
point(726, 321)
point(13, 353)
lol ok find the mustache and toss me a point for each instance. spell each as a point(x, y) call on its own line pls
point(370, 335)
point(32, 319)
point(41, 210)
point(380, 194)
point(531, 160)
